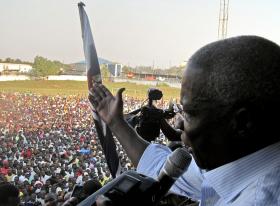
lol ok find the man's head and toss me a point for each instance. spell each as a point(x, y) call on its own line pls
point(9, 195)
point(50, 199)
point(90, 187)
point(230, 94)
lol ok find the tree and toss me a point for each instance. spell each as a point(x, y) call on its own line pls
point(104, 71)
point(9, 60)
point(175, 70)
point(127, 69)
point(44, 67)
point(18, 61)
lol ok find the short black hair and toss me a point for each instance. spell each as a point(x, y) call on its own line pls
point(91, 186)
point(7, 191)
point(239, 69)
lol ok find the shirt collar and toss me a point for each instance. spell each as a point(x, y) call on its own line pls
point(230, 179)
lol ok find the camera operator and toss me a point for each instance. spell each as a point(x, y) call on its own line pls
point(152, 119)
point(230, 96)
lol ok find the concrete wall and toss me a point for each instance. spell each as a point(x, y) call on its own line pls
point(84, 78)
point(13, 77)
point(153, 83)
point(67, 77)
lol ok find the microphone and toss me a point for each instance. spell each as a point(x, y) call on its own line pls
point(175, 165)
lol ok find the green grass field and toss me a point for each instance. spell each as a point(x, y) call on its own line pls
point(44, 87)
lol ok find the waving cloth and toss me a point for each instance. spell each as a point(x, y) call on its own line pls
point(94, 76)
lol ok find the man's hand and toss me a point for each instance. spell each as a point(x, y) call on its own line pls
point(103, 201)
point(71, 202)
point(109, 107)
point(110, 110)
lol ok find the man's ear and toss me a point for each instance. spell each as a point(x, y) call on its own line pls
point(243, 123)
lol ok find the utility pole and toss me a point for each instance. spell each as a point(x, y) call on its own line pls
point(223, 19)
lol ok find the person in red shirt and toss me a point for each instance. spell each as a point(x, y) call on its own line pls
point(28, 153)
point(5, 169)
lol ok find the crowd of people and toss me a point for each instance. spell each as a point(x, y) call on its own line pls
point(49, 144)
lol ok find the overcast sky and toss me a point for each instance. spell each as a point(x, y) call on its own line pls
point(134, 32)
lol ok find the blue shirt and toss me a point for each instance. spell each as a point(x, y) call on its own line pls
point(250, 180)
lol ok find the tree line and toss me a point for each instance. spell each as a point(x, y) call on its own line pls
point(42, 66)
point(14, 61)
point(174, 70)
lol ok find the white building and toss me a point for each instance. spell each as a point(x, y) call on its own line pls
point(22, 68)
point(115, 69)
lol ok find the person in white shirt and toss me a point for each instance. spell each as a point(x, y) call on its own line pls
point(230, 96)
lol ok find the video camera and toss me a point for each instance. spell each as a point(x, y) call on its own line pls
point(132, 188)
point(148, 122)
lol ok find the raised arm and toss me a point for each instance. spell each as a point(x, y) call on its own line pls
point(171, 133)
point(110, 109)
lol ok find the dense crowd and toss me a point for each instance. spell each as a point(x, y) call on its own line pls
point(48, 144)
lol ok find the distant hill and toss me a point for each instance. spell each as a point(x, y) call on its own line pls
point(79, 68)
